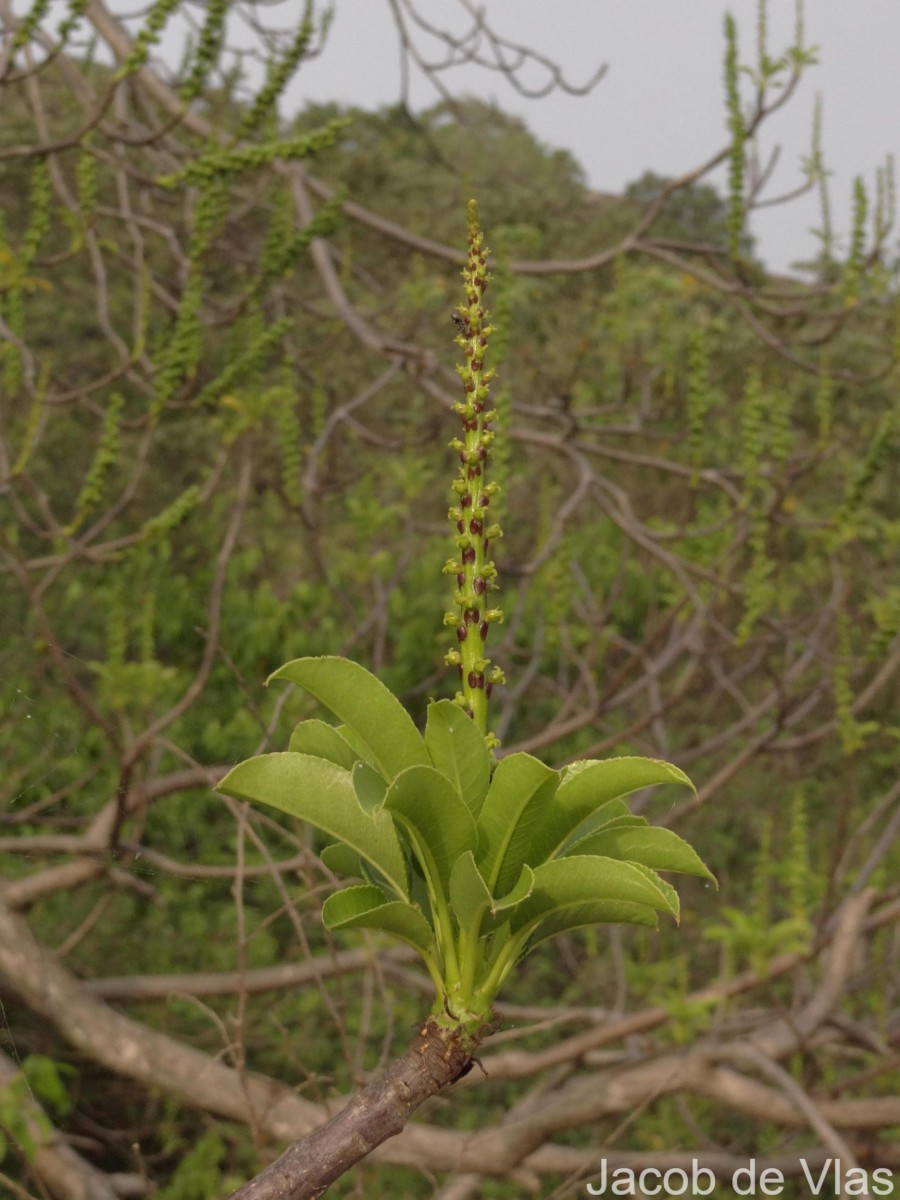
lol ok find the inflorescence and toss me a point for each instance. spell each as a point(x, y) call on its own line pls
point(476, 575)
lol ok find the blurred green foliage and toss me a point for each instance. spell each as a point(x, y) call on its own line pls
point(735, 497)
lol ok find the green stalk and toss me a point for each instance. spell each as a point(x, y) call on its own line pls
point(443, 923)
point(470, 956)
point(506, 960)
point(475, 572)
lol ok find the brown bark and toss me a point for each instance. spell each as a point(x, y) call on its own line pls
point(435, 1058)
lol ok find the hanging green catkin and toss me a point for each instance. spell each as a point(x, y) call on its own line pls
point(105, 457)
point(38, 227)
point(699, 398)
point(853, 271)
point(883, 215)
point(223, 165)
point(157, 529)
point(279, 72)
point(77, 9)
point(753, 411)
point(30, 24)
point(877, 454)
point(184, 344)
point(38, 210)
point(150, 33)
point(886, 611)
point(762, 38)
point(758, 591)
point(285, 245)
point(818, 172)
point(824, 404)
point(250, 361)
point(780, 426)
point(209, 48)
point(289, 443)
point(737, 131)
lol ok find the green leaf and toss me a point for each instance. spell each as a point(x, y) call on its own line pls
point(46, 1079)
point(588, 828)
point(660, 849)
point(322, 740)
point(439, 825)
point(359, 748)
point(458, 750)
point(471, 898)
point(567, 883)
point(322, 793)
point(668, 892)
point(341, 860)
point(586, 787)
point(469, 894)
point(602, 912)
point(365, 705)
point(369, 786)
point(514, 808)
point(366, 907)
point(523, 888)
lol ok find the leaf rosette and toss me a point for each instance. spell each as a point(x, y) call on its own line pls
point(472, 863)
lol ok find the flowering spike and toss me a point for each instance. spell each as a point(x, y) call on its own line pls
point(477, 574)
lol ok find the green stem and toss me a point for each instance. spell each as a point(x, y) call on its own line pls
point(443, 924)
point(506, 959)
point(470, 954)
point(475, 572)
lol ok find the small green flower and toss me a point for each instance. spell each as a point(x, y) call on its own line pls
point(475, 573)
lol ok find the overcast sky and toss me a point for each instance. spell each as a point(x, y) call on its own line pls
point(660, 105)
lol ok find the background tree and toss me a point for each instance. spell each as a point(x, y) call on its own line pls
point(226, 370)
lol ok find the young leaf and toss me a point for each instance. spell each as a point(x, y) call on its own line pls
point(469, 894)
point(425, 803)
point(588, 828)
point(341, 860)
point(458, 750)
point(501, 909)
point(515, 806)
point(599, 912)
point(321, 793)
point(669, 895)
point(567, 883)
point(471, 899)
point(369, 786)
point(589, 785)
point(660, 849)
point(366, 907)
point(322, 740)
point(365, 705)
